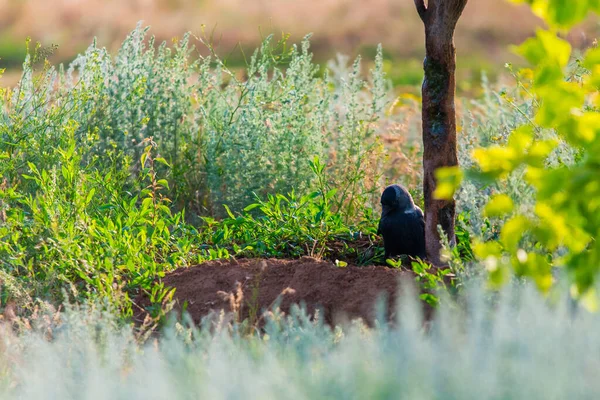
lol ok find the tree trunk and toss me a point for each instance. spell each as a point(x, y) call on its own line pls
point(439, 117)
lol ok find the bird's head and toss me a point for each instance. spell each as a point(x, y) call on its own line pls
point(396, 197)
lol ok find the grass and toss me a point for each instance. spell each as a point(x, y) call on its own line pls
point(515, 345)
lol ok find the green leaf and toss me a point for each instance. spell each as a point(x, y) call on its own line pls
point(429, 299)
point(558, 103)
point(163, 182)
point(592, 58)
point(539, 152)
point(229, 211)
point(484, 250)
point(521, 138)
point(496, 161)
point(499, 206)
point(513, 231)
point(546, 49)
point(587, 127)
point(448, 182)
point(251, 207)
point(162, 161)
point(143, 159)
point(562, 14)
point(90, 195)
point(29, 177)
point(147, 203)
point(330, 194)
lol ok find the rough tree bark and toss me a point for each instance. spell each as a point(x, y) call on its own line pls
point(439, 118)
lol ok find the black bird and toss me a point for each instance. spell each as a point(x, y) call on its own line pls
point(402, 224)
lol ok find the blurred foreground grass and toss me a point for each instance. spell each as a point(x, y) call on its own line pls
point(512, 346)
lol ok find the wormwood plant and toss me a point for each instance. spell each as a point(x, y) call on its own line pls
point(260, 134)
point(559, 228)
point(228, 137)
point(147, 90)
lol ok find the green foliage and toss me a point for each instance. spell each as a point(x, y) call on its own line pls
point(99, 162)
point(228, 138)
point(562, 13)
point(259, 134)
point(448, 180)
point(558, 228)
point(280, 226)
point(224, 137)
point(80, 229)
point(74, 218)
point(430, 279)
point(499, 205)
point(290, 226)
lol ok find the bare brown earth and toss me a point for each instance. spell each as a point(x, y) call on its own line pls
point(250, 286)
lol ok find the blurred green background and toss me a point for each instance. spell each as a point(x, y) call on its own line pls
point(339, 26)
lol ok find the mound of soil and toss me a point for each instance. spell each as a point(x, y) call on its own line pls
point(254, 285)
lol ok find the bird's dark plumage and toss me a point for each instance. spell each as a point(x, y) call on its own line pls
point(402, 223)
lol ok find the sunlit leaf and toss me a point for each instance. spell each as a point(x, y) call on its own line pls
point(496, 161)
point(498, 206)
point(448, 182)
point(521, 138)
point(513, 231)
point(561, 13)
point(486, 249)
point(558, 103)
point(546, 49)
